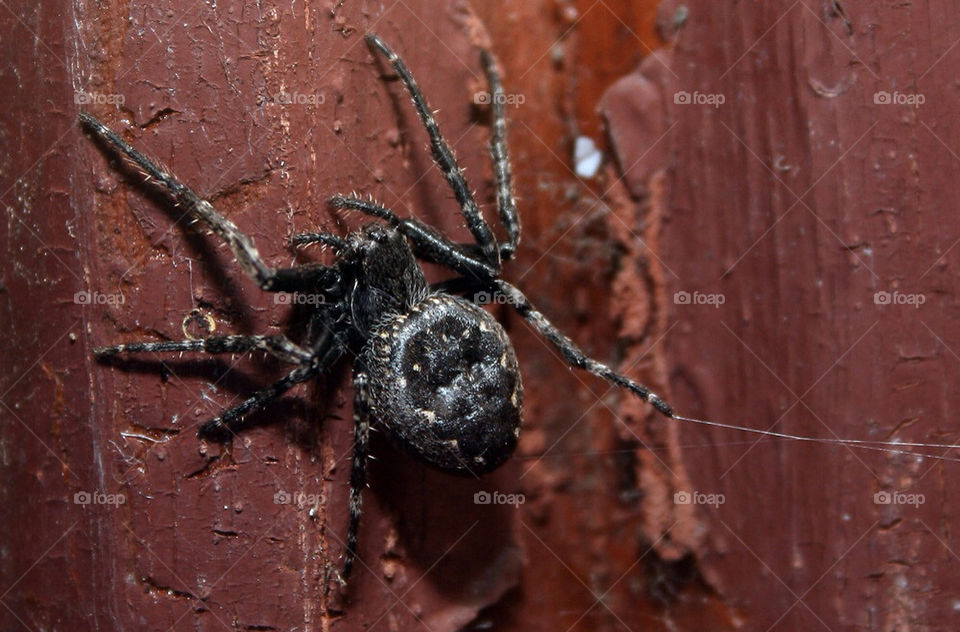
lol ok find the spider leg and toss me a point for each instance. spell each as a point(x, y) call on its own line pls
point(278, 346)
point(229, 421)
point(324, 354)
point(327, 239)
point(461, 286)
point(501, 159)
point(358, 469)
point(443, 156)
point(268, 278)
point(428, 243)
point(573, 354)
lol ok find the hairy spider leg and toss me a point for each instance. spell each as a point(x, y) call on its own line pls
point(228, 421)
point(443, 156)
point(326, 239)
point(278, 346)
point(327, 351)
point(572, 353)
point(268, 278)
point(428, 243)
point(310, 365)
point(506, 203)
point(358, 468)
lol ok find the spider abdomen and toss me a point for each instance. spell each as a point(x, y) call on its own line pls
point(444, 380)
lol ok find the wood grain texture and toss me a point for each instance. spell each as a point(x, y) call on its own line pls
point(797, 199)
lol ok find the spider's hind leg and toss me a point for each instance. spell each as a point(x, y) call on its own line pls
point(229, 421)
point(358, 469)
point(322, 355)
point(278, 346)
point(573, 354)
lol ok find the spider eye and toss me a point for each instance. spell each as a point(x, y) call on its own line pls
point(376, 233)
point(444, 381)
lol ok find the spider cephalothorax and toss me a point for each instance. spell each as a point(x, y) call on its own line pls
point(429, 366)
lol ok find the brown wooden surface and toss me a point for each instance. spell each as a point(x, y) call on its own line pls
point(876, 215)
point(797, 200)
point(692, 198)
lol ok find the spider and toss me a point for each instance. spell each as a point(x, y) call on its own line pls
point(430, 366)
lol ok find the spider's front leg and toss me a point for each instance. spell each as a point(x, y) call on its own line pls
point(268, 278)
point(443, 156)
point(501, 158)
point(428, 243)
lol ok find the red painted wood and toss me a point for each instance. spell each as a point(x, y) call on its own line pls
point(692, 198)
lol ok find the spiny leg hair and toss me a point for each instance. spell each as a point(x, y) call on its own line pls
point(429, 244)
point(278, 346)
point(358, 469)
point(443, 156)
point(326, 239)
point(242, 246)
point(327, 350)
point(228, 421)
point(501, 158)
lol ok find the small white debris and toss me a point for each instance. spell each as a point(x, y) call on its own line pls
point(586, 157)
